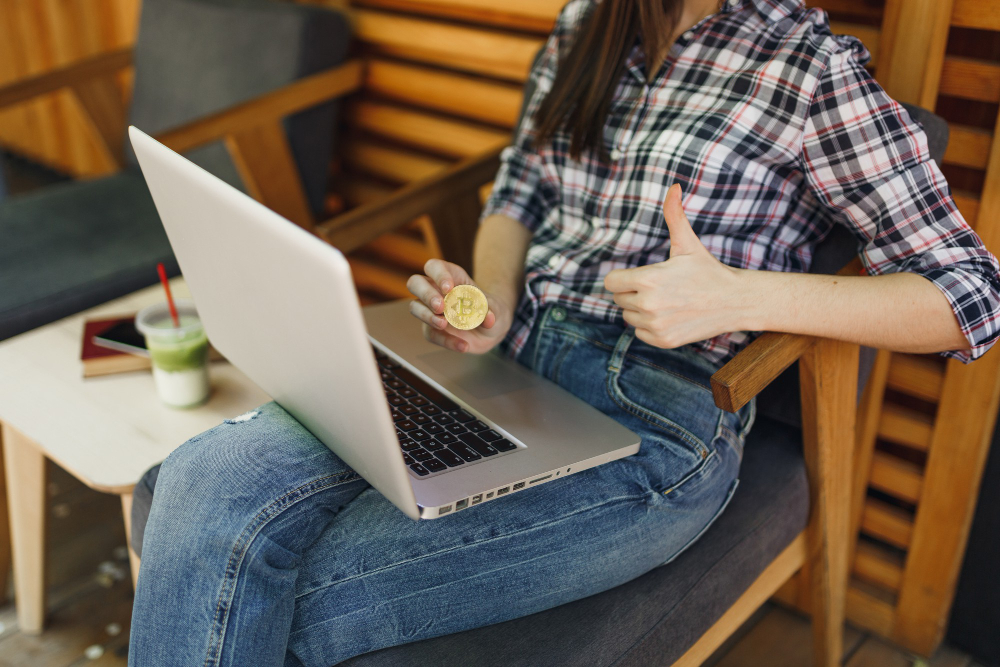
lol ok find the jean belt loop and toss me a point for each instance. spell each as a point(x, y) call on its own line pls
point(621, 349)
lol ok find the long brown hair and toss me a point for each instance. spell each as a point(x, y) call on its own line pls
point(586, 79)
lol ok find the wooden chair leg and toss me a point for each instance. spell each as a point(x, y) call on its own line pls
point(26, 485)
point(4, 529)
point(133, 559)
point(828, 378)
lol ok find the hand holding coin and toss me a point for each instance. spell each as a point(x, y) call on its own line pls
point(457, 314)
point(465, 307)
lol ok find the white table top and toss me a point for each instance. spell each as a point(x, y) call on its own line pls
point(107, 431)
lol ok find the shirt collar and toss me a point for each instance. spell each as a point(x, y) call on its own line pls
point(772, 10)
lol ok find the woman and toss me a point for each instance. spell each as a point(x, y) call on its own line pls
point(263, 548)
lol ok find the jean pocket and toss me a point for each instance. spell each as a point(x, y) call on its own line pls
point(667, 401)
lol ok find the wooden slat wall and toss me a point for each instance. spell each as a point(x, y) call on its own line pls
point(444, 82)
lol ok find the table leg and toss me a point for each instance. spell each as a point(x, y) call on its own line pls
point(26, 486)
point(4, 530)
point(133, 559)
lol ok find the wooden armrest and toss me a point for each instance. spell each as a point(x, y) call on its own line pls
point(64, 77)
point(365, 223)
point(269, 108)
point(755, 367)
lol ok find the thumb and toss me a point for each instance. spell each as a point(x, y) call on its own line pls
point(683, 240)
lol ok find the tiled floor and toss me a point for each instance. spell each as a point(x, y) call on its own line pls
point(90, 602)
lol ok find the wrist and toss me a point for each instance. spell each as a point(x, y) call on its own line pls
point(755, 294)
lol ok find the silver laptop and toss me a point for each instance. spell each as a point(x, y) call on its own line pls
point(435, 431)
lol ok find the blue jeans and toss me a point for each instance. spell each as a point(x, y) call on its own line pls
point(264, 548)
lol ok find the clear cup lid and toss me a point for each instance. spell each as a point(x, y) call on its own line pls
point(155, 320)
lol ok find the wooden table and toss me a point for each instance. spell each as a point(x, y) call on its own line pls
point(106, 431)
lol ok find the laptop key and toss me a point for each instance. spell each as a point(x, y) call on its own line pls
point(394, 383)
point(421, 420)
point(457, 428)
point(398, 416)
point(446, 438)
point(408, 443)
point(408, 410)
point(478, 444)
point(477, 426)
point(406, 392)
point(463, 450)
point(462, 415)
point(419, 435)
point(433, 445)
point(421, 455)
point(490, 435)
point(431, 410)
point(504, 445)
point(435, 397)
point(407, 459)
point(434, 465)
point(396, 401)
point(432, 428)
point(419, 401)
point(419, 469)
point(406, 425)
point(450, 458)
point(444, 420)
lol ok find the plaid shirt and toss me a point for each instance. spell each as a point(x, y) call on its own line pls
point(776, 132)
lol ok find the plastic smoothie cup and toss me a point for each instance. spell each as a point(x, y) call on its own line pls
point(179, 354)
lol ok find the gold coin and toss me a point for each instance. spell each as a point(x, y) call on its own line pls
point(465, 307)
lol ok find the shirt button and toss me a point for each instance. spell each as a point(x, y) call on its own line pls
point(733, 3)
point(553, 261)
point(616, 155)
point(558, 314)
point(688, 35)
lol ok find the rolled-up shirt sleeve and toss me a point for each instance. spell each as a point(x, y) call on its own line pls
point(521, 189)
point(868, 163)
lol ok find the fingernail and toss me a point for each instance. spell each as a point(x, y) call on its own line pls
point(435, 303)
point(462, 347)
point(446, 286)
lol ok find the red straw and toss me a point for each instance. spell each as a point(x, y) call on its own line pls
point(170, 297)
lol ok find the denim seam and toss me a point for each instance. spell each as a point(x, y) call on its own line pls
point(481, 542)
point(559, 359)
point(243, 542)
point(698, 469)
point(567, 332)
point(648, 416)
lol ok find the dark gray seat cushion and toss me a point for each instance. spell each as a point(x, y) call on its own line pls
point(650, 620)
point(73, 246)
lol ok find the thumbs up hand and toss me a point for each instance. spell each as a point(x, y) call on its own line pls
point(690, 297)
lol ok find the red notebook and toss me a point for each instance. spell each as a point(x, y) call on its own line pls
point(99, 360)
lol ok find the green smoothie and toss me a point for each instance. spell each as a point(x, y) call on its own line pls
point(178, 349)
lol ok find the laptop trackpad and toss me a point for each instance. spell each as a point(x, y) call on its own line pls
point(483, 376)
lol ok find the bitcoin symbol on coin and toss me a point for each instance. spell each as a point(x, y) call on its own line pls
point(465, 307)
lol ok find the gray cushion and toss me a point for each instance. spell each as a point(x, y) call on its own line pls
point(74, 245)
point(3, 179)
point(197, 57)
point(652, 619)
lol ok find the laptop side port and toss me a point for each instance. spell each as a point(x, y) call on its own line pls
point(461, 504)
point(519, 486)
point(502, 491)
point(489, 495)
point(476, 499)
point(444, 510)
point(539, 479)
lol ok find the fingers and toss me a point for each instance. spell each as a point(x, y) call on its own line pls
point(446, 340)
point(424, 314)
point(620, 280)
point(628, 300)
point(445, 274)
point(428, 294)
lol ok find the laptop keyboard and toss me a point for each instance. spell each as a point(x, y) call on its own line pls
point(435, 434)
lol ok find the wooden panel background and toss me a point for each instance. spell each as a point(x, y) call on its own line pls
point(444, 82)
